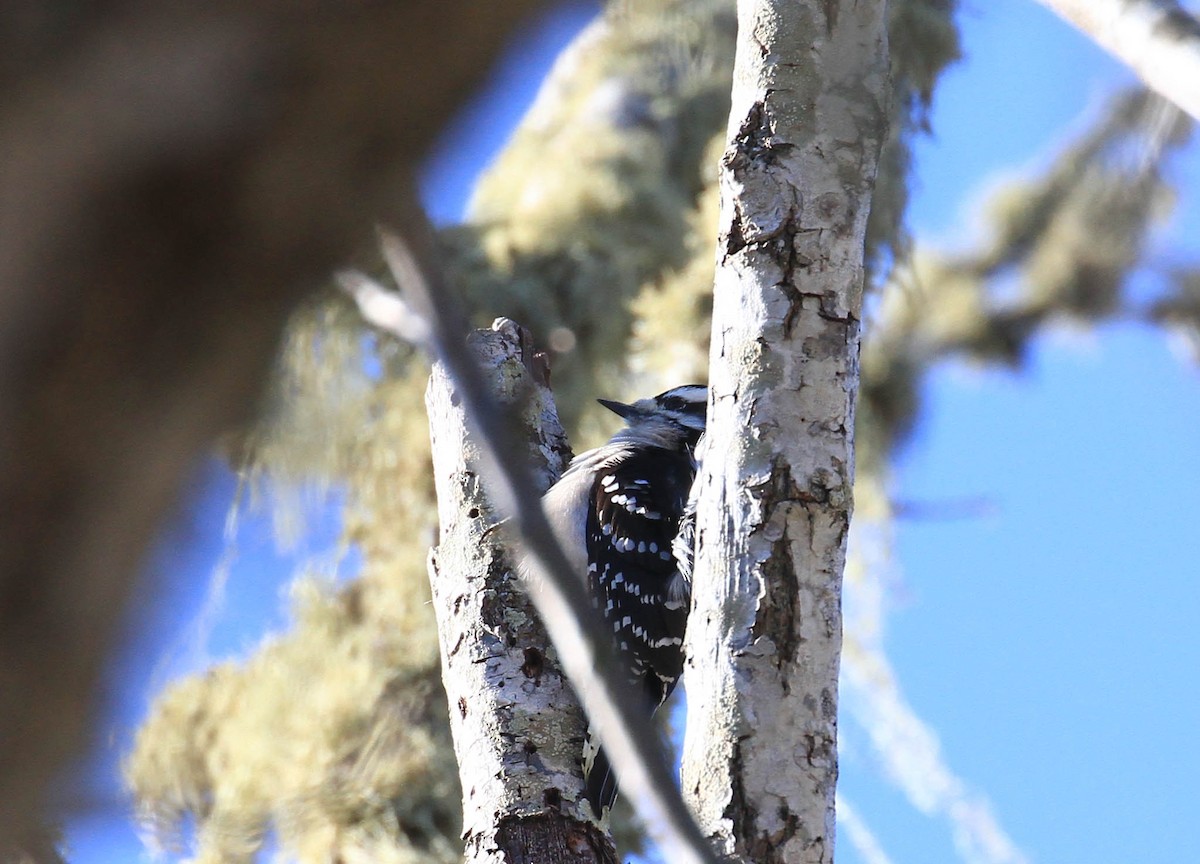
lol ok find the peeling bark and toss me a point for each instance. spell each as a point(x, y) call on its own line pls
point(518, 729)
point(807, 122)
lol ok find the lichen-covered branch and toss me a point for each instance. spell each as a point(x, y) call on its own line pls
point(805, 132)
point(593, 202)
point(517, 726)
point(1073, 233)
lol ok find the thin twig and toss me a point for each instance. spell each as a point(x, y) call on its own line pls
point(386, 309)
point(557, 592)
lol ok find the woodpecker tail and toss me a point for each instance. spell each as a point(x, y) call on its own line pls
point(599, 782)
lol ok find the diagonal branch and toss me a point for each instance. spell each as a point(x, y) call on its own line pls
point(1157, 39)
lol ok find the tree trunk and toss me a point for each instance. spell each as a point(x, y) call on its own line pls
point(518, 729)
point(807, 121)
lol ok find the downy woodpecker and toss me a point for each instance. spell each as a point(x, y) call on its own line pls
point(617, 512)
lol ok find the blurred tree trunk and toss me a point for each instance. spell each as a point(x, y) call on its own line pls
point(517, 727)
point(176, 179)
point(807, 122)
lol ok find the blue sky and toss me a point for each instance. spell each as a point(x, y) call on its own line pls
point(1049, 643)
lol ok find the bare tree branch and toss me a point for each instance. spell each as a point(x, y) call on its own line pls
point(1157, 39)
point(559, 595)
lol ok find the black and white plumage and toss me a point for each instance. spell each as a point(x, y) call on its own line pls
point(617, 512)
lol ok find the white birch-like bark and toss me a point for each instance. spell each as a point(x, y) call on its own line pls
point(808, 118)
point(517, 727)
point(1157, 39)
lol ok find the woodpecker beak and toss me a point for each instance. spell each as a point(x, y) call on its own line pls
point(618, 408)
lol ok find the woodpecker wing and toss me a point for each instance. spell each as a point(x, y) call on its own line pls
point(637, 503)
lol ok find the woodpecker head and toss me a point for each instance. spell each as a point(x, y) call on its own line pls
point(669, 419)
